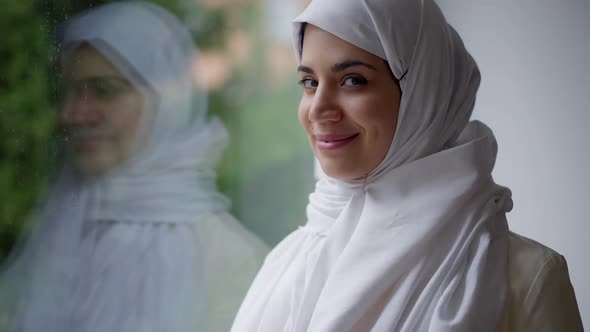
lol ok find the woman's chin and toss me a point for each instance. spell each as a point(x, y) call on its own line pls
point(96, 163)
point(342, 171)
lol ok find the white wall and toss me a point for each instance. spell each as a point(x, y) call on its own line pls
point(534, 56)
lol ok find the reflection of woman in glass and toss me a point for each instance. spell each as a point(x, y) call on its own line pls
point(406, 230)
point(135, 236)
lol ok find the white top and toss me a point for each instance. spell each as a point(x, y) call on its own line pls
point(541, 298)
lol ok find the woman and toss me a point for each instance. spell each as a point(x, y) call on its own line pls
point(134, 236)
point(407, 230)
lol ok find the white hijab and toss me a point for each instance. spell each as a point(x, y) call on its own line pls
point(170, 180)
point(420, 244)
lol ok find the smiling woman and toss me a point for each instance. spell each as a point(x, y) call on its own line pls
point(407, 230)
point(348, 106)
point(101, 112)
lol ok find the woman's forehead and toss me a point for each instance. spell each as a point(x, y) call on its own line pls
point(85, 61)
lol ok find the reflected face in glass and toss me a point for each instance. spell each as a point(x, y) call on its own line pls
point(349, 106)
point(100, 113)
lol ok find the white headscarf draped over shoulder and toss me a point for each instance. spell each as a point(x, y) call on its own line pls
point(123, 252)
point(420, 244)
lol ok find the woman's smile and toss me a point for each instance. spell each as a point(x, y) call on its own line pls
point(334, 141)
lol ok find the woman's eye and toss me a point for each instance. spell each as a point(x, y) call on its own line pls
point(104, 90)
point(354, 81)
point(107, 87)
point(101, 91)
point(308, 83)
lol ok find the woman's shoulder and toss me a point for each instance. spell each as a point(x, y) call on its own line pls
point(527, 257)
point(530, 246)
point(541, 295)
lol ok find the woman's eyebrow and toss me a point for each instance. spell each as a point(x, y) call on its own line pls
point(350, 63)
point(339, 66)
point(103, 79)
point(305, 69)
point(110, 79)
point(106, 77)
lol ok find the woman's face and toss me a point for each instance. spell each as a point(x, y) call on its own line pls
point(101, 112)
point(349, 106)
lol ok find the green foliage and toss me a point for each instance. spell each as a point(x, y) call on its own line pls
point(26, 117)
point(268, 170)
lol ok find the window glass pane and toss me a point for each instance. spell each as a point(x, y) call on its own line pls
point(49, 96)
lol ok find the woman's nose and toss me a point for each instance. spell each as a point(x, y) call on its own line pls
point(325, 106)
point(80, 111)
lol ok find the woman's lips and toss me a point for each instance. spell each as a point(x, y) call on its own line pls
point(333, 141)
point(88, 141)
